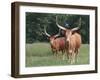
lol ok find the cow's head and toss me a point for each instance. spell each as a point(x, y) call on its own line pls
point(51, 37)
point(68, 32)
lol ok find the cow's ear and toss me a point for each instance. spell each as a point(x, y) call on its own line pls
point(73, 32)
point(63, 32)
point(77, 31)
point(55, 37)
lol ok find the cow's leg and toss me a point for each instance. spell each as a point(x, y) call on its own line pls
point(73, 58)
point(76, 55)
point(63, 55)
point(71, 61)
point(68, 56)
point(53, 51)
point(56, 54)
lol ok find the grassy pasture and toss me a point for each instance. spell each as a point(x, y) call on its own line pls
point(40, 54)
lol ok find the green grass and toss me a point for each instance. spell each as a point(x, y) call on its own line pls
point(40, 54)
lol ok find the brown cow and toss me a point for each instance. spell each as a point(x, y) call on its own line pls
point(73, 41)
point(57, 43)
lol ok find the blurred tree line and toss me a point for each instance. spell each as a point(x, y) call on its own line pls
point(35, 23)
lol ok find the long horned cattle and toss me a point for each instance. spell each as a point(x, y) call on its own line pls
point(73, 41)
point(57, 43)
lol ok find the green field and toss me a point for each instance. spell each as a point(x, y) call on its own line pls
point(40, 54)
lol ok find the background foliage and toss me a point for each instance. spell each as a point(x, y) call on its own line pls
point(35, 23)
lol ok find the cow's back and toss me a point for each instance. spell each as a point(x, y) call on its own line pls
point(77, 38)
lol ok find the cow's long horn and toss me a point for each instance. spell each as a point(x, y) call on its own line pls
point(46, 33)
point(77, 28)
point(61, 27)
